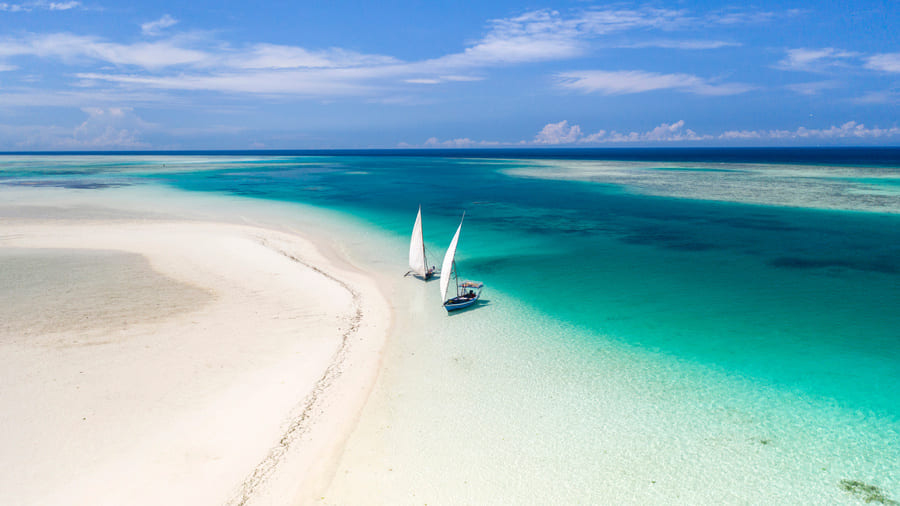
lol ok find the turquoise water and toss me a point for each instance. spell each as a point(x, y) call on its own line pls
point(792, 296)
point(803, 298)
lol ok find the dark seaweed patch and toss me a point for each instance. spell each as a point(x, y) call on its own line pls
point(695, 169)
point(665, 238)
point(78, 185)
point(866, 492)
point(757, 223)
point(869, 265)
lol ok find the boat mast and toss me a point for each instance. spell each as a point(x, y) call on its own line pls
point(424, 256)
point(448, 266)
point(456, 277)
point(417, 261)
point(455, 273)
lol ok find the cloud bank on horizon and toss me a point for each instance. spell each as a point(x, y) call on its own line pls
point(76, 75)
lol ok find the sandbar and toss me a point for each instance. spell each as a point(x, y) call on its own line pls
point(156, 360)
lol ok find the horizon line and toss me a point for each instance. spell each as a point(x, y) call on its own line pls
point(444, 149)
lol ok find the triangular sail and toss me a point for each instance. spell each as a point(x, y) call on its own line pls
point(417, 262)
point(447, 265)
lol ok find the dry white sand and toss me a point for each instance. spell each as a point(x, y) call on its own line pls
point(156, 361)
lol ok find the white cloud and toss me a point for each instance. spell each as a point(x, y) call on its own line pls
point(16, 137)
point(736, 17)
point(666, 132)
point(636, 81)
point(422, 80)
point(110, 127)
point(74, 48)
point(673, 132)
point(315, 83)
point(688, 44)
point(434, 142)
point(813, 88)
point(605, 21)
point(148, 55)
point(39, 5)
point(460, 79)
point(87, 97)
point(558, 133)
point(815, 60)
point(196, 62)
point(155, 27)
point(533, 36)
point(563, 133)
point(849, 130)
point(880, 97)
point(157, 55)
point(887, 62)
point(545, 34)
point(826, 59)
point(442, 79)
point(595, 137)
point(273, 56)
point(104, 127)
point(741, 134)
point(63, 6)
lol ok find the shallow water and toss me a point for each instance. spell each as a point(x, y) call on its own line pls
point(722, 332)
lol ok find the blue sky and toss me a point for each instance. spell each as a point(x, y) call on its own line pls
point(85, 74)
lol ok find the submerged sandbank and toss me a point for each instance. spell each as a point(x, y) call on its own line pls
point(150, 360)
point(856, 188)
point(86, 291)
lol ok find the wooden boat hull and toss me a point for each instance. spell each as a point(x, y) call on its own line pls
point(460, 303)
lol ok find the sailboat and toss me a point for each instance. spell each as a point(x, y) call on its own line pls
point(467, 292)
point(418, 264)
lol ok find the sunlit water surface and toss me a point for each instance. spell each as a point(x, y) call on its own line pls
point(650, 331)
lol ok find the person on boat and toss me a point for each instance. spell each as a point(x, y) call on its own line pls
point(470, 294)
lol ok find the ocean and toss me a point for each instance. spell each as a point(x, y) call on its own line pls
point(657, 325)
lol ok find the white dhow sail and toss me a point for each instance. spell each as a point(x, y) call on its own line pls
point(447, 266)
point(417, 262)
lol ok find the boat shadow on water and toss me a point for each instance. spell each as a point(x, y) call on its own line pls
point(421, 278)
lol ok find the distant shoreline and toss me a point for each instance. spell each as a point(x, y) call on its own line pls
point(852, 155)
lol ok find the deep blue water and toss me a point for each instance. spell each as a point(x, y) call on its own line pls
point(875, 156)
point(803, 299)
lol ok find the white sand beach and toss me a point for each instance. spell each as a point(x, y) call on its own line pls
point(148, 359)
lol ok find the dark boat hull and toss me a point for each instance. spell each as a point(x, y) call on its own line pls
point(460, 303)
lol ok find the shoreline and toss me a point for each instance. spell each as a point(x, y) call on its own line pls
point(250, 382)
